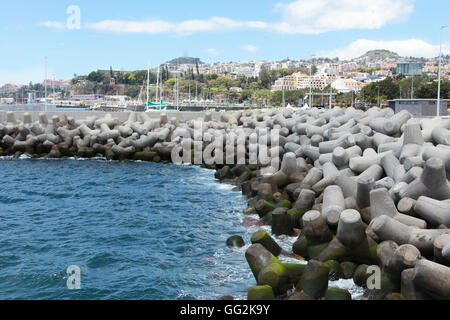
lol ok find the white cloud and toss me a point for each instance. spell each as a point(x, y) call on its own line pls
point(296, 17)
point(162, 26)
point(406, 48)
point(54, 25)
point(250, 48)
point(319, 16)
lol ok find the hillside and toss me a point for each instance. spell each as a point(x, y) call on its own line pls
point(379, 54)
point(185, 60)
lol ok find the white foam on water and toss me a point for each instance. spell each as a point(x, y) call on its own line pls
point(356, 291)
point(24, 157)
point(89, 159)
point(222, 186)
point(286, 242)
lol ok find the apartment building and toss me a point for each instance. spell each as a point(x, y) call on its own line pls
point(298, 81)
point(346, 85)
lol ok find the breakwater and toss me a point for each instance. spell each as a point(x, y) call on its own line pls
point(366, 192)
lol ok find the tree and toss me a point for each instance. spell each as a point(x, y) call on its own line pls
point(291, 97)
point(265, 78)
point(428, 90)
point(197, 68)
point(132, 91)
point(389, 89)
point(406, 85)
point(262, 96)
point(96, 77)
point(255, 86)
point(170, 82)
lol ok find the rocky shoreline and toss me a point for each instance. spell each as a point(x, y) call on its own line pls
point(366, 193)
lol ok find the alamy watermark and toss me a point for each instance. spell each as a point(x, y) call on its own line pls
point(374, 281)
point(74, 20)
point(74, 277)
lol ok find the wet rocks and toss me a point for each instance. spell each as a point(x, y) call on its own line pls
point(235, 241)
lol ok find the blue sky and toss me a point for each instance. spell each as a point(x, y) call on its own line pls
point(127, 34)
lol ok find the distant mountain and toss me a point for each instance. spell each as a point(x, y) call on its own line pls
point(185, 60)
point(379, 54)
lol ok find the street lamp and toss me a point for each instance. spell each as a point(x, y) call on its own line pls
point(283, 98)
point(310, 81)
point(378, 96)
point(45, 83)
point(439, 77)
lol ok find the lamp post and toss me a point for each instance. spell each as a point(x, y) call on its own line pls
point(45, 82)
point(439, 73)
point(283, 98)
point(310, 81)
point(331, 95)
point(352, 97)
point(378, 96)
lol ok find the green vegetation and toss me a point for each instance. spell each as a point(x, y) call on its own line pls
point(253, 90)
point(380, 54)
point(367, 70)
point(401, 87)
point(184, 60)
point(192, 84)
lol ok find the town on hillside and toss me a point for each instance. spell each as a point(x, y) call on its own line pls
point(374, 78)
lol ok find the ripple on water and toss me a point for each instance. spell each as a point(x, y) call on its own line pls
point(137, 230)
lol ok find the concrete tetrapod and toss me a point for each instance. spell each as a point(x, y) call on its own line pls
point(387, 228)
point(351, 243)
point(268, 270)
point(433, 279)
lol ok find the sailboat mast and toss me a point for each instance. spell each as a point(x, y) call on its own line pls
point(178, 88)
point(45, 82)
point(157, 87)
point(148, 84)
point(161, 85)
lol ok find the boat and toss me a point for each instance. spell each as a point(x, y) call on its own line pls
point(104, 106)
point(158, 105)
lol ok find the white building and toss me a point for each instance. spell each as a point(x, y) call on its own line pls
point(236, 89)
point(246, 71)
point(298, 81)
point(6, 100)
point(345, 85)
point(286, 83)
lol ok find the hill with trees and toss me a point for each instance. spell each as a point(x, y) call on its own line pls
point(379, 54)
point(185, 60)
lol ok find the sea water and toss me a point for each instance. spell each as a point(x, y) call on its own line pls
point(135, 231)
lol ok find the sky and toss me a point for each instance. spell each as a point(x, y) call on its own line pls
point(80, 36)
